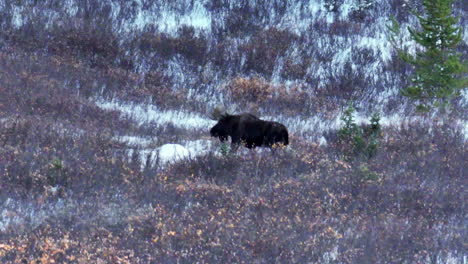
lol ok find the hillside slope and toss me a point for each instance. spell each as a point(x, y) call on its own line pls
point(92, 91)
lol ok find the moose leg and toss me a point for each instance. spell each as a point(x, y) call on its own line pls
point(235, 142)
point(234, 147)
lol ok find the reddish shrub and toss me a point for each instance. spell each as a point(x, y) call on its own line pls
point(254, 89)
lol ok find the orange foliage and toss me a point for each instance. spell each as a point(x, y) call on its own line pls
point(254, 89)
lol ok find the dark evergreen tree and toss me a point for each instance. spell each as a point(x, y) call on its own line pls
point(438, 69)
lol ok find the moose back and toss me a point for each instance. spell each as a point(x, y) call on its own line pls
point(250, 131)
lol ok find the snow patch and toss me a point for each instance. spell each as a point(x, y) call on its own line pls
point(346, 8)
point(378, 44)
point(340, 58)
point(17, 18)
point(72, 7)
point(172, 152)
point(134, 141)
point(146, 113)
point(168, 20)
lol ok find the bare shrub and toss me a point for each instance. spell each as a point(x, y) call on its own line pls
point(254, 89)
point(265, 47)
point(257, 92)
point(240, 21)
point(186, 43)
point(295, 70)
point(14, 131)
point(344, 28)
point(160, 87)
point(97, 43)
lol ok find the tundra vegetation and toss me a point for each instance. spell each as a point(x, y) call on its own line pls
point(392, 191)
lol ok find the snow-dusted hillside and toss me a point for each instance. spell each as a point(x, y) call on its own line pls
point(341, 55)
point(105, 145)
point(327, 45)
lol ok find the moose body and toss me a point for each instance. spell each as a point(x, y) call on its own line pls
point(250, 131)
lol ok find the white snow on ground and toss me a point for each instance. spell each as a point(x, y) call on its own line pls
point(340, 58)
point(169, 153)
point(198, 147)
point(134, 141)
point(72, 7)
point(311, 128)
point(172, 152)
point(294, 21)
point(464, 96)
point(345, 9)
point(199, 18)
point(162, 15)
point(168, 20)
point(17, 18)
point(146, 113)
point(378, 44)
